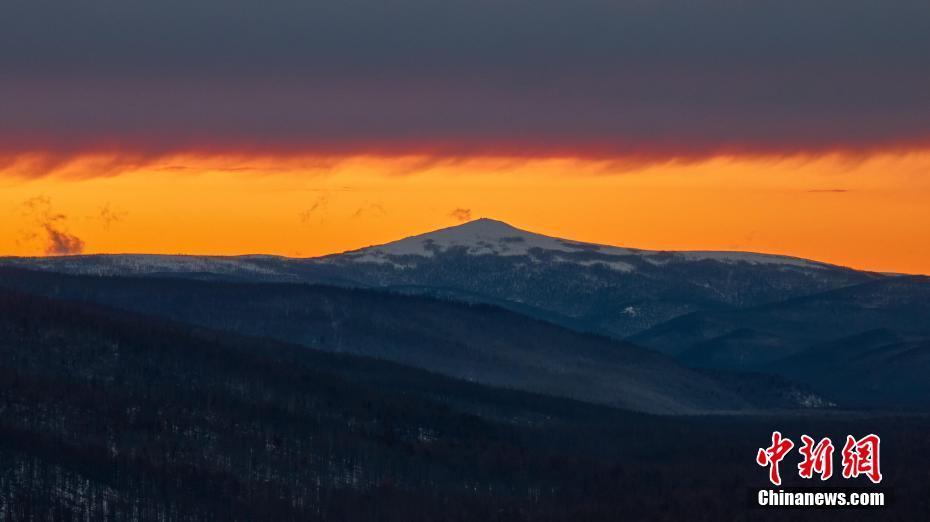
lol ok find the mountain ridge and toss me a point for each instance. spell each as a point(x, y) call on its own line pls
point(721, 312)
point(477, 234)
point(479, 343)
point(488, 227)
point(610, 290)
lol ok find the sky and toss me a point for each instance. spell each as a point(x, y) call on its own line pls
point(304, 128)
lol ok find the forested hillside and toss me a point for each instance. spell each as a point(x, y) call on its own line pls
point(479, 343)
point(112, 416)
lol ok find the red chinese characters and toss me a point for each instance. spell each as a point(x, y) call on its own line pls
point(773, 455)
point(817, 459)
point(861, 457)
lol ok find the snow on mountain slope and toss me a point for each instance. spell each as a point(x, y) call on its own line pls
point(479, 237)
point(491, 237)
point(143, 264)
point(606, 289)
point(482, 237)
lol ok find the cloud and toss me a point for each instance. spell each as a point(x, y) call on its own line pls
point(461, 214)
point(62, 243)
point(599, 78)
point(316, 209)
point(108, 215)
point(369, 209)
point(58, 241)
point(828, 191)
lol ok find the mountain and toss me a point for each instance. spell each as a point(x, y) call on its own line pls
point(478, 343)
point(717, 311)
point(112, 415)
point(873, 369)
point(109, 415)
point(865, 344)
point(611, 290)
point(246, 268)
point(898, 304)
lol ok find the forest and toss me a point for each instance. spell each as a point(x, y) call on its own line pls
point(111, 415)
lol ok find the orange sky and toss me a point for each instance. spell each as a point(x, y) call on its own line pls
point(867, 212)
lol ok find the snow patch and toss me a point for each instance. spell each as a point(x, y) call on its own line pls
point(748, 257)
point(137, 264)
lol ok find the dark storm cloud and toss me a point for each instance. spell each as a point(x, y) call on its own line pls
point(664, 78)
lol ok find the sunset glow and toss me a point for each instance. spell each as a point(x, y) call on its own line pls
point(866, 212)
point(306, 128)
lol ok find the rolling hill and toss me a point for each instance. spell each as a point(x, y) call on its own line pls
point(478, 343)
point(610, 290)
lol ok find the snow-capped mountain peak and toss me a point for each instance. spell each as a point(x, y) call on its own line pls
point(492, 237)
point(479, 237)
point(611, 289)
